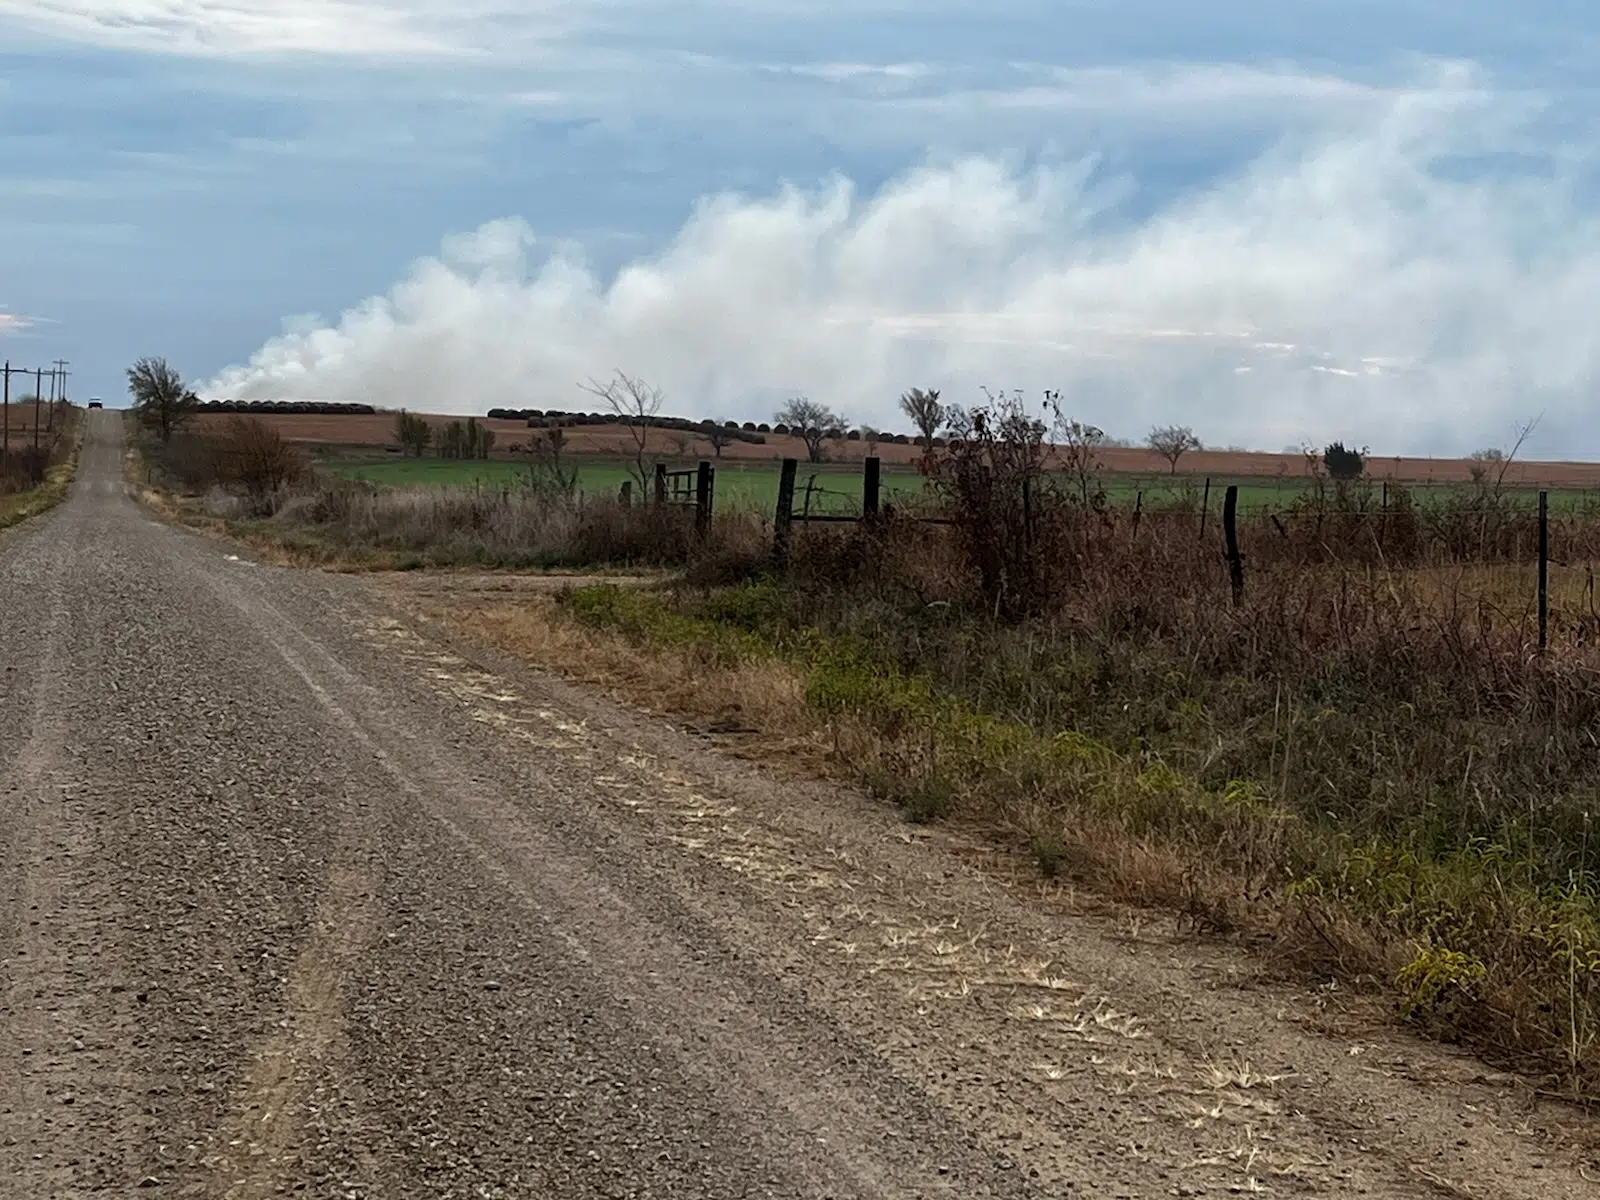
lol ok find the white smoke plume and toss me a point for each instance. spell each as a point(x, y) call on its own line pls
point(1394, 283)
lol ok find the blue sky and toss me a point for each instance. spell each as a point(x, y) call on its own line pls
point(1274, 221)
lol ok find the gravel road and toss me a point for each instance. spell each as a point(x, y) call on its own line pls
point(300, 897)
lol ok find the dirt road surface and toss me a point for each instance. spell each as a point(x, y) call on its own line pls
point(297, 898)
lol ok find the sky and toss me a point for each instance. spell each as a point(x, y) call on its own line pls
point(1279, 223)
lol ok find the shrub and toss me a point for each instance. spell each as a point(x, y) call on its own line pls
point(188, 461)
point(1342, 463)
point(253, 458)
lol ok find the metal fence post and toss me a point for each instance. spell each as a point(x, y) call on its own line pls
point(1230, 543)
point(1544, 570)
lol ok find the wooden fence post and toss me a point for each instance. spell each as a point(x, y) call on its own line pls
point(1205, 508)
point(661, 483)
point(702, 499)
point(871, 480)
point(1544, 571)
point(1230, 542)
point(626, 495)
point(783, 519)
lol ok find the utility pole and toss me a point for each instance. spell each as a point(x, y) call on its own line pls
point(58, 390)
point(38, 386)
point(5, 415)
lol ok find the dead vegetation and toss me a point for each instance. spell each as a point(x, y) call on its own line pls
point(1365, 761)
point(247, 480)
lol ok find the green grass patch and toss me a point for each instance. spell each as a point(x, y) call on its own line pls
point(740, 485)
point(752, 486)
point(23, 506)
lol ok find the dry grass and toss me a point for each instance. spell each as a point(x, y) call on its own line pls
point(757, 704)
point(760, 708)
point(248, 483)
point(1362, 758)
point(19, 506)
point(1290, 770)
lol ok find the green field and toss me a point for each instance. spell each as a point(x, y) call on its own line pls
point(753, 486)
point(749, 487)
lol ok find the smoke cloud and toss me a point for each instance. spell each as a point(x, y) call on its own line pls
point(1416, 280)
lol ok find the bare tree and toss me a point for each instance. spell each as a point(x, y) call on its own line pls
point(254, 458)
point(926, 413)
point(548, 475)
point(1078, 443)
point(720, 437)
point(1497, 462)
point(160, 397)
point(810, 421)
point(1172, 442)
point(1481, 462)
point(683, 442)
point(870, 438)
point(638, 404)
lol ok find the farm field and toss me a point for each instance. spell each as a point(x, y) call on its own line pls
point(367, 436)
point(749, 485)
point(740, 486)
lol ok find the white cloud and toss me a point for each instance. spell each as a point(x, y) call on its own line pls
point(375, 28)
point(11, 323)
point(1360, 283)
point(405, 29)
point(1168, 88)
point(845, 72)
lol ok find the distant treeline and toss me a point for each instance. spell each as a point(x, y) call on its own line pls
point(539, 418)
point(294, 407)
point(746, 431)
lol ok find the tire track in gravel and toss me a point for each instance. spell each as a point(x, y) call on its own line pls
point(683, 1004)
point(267, 1115)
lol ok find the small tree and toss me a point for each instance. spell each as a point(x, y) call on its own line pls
point(1495, 462)
point(254, 458)
point(1343, 464)
point(412, 432)
point(925, 412)
point(452, 440)
point(637, 405)
point(810, 421)
point(999, 493)
point(720, 437)
point(1482, 463)
point(159, 396)
point(548, 475)
point(870, 438)
point(1078, 445)
point(1172, 442)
